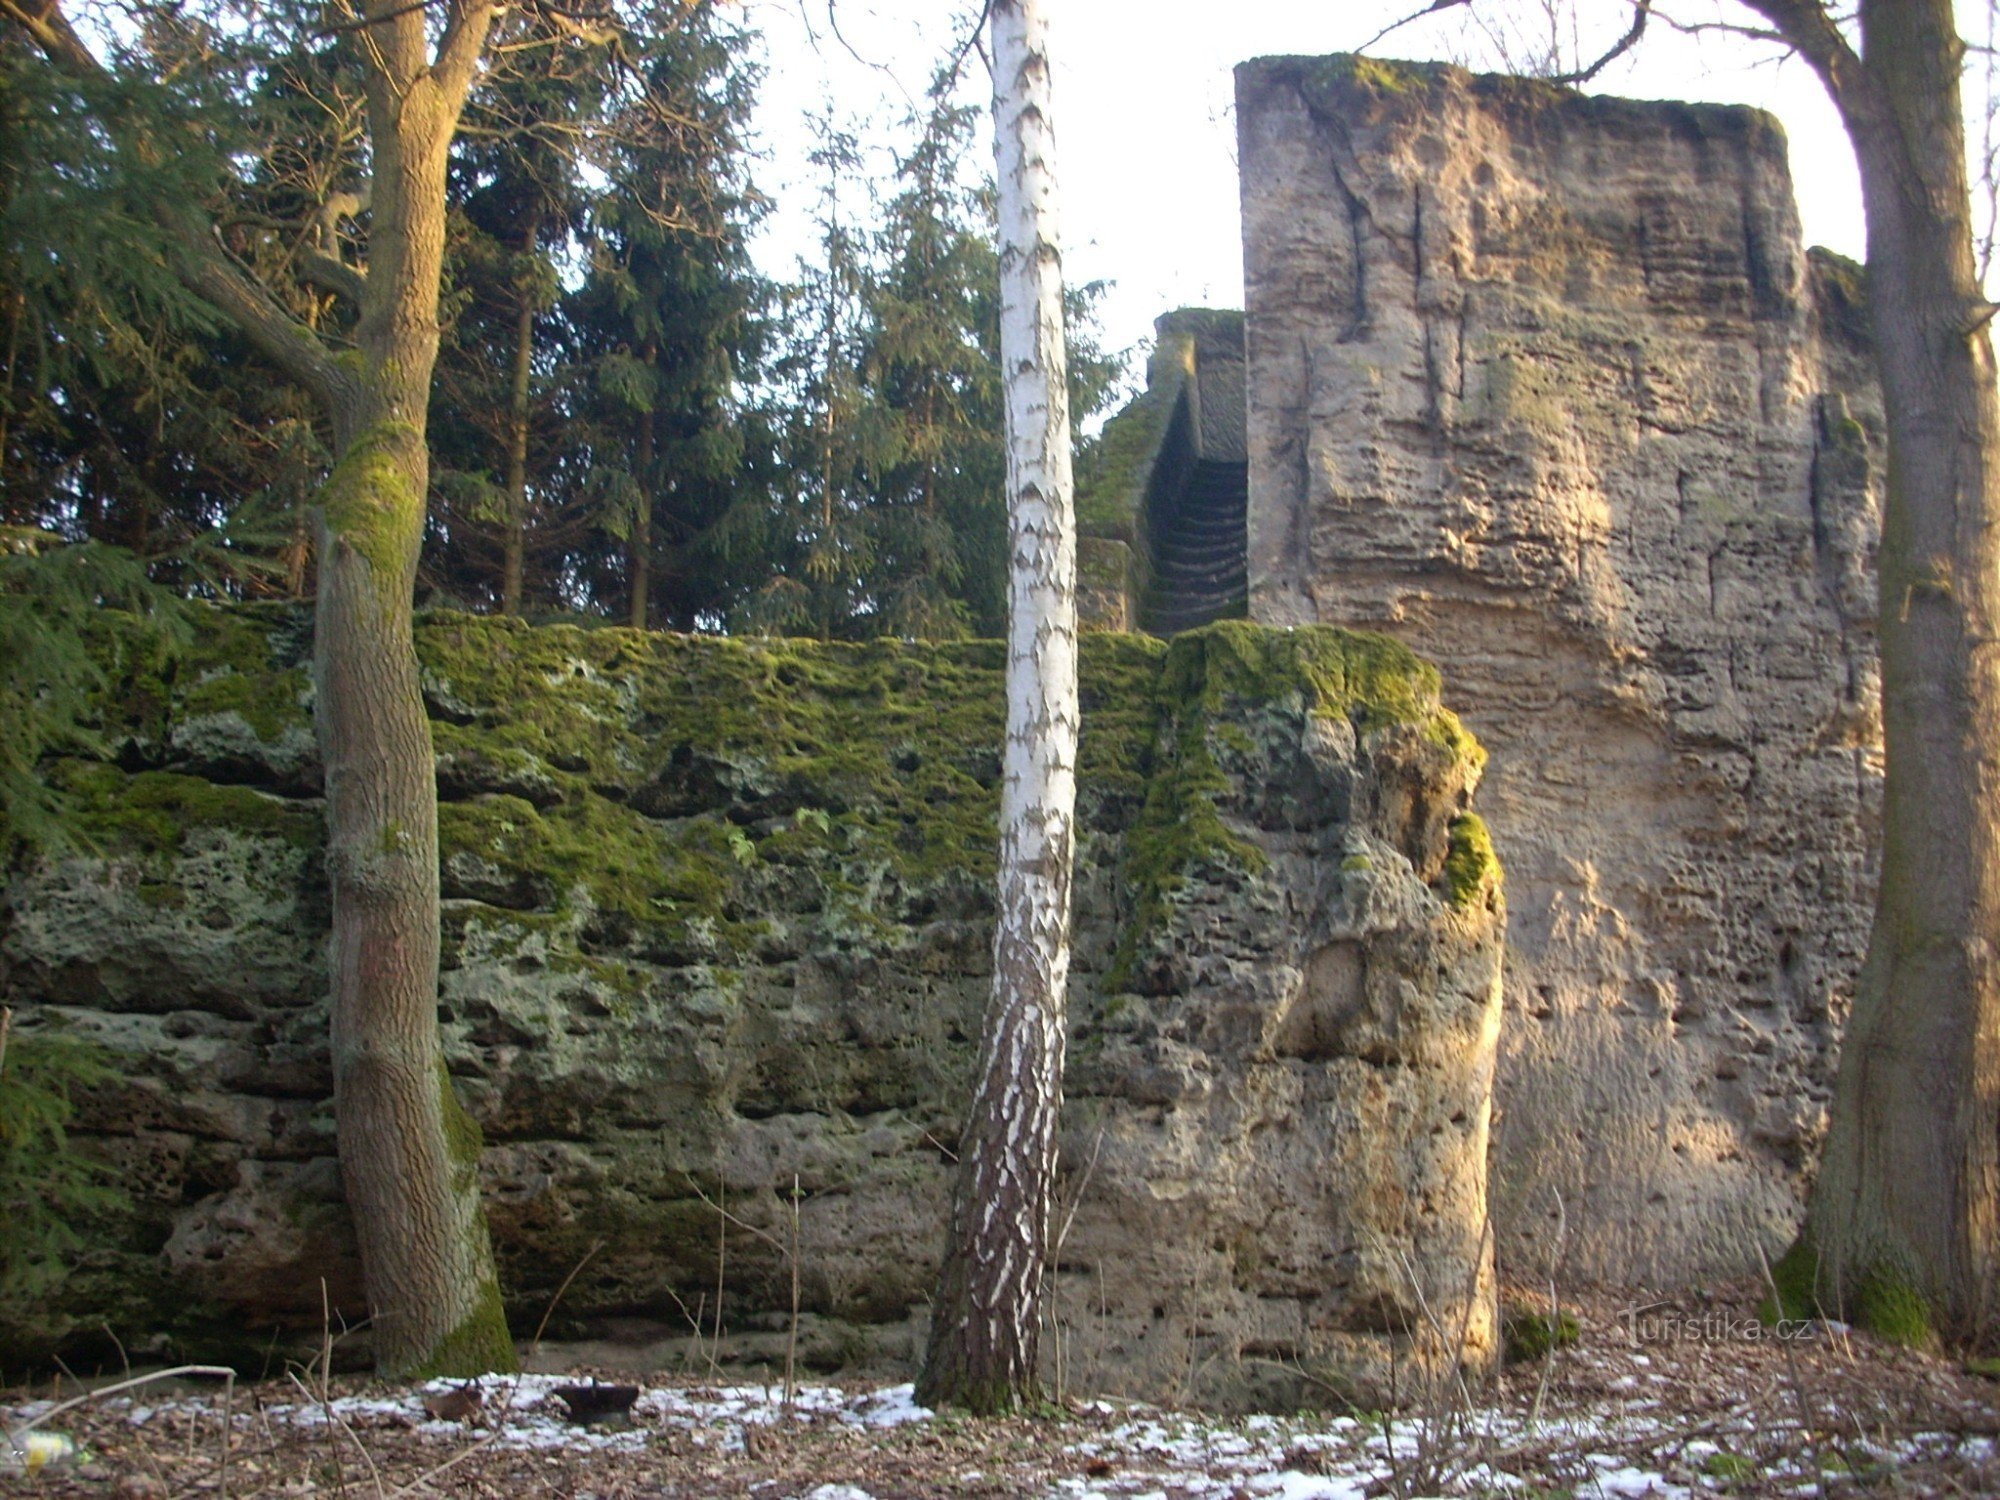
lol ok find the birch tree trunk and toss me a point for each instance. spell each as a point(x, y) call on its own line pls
point(984, 1324)
point(1903, 1228)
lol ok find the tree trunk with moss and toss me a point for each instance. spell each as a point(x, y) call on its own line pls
point(985, 1321)
point(408, 1152)
point(409, 1155)
point(1903, 1229)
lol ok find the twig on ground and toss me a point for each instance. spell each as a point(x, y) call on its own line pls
point(335, 1421)
point(1555, 1312)
point(422, 1481)
point(1793, 1378)
point(792, 1335)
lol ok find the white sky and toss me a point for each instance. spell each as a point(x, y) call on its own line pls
point(1145, 125)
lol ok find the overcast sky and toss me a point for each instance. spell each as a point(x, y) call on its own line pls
point(1145, 126)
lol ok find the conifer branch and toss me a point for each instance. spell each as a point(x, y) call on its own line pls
point(199, 259)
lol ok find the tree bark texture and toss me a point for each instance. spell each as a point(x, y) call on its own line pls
point(983, 1341)
point(408, 1153)
point(1903, 1228)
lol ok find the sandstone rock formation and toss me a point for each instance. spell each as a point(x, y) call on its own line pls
point(717, 924)
point(1545, 386)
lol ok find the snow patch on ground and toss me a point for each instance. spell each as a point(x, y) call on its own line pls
point(1605, 1447)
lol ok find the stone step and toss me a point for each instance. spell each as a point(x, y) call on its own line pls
point(1198, 552)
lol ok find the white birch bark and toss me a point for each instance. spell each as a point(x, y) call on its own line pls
point(984, 1325)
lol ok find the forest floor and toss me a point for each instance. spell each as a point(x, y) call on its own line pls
point(1676, 1400)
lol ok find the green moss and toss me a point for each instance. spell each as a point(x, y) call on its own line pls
point(234, 660)
point(990, 1398)
point(153, 812)
point(679, 778)
point(1730, 1468)
point(1207, 678)
point(230, 669)
point(1840, 296)
point(1115, 467)
point(1884, 1302)
point(1796, 1278)
point(480, 1344)
point(1471, 869)
point(1345, 73)
point(1370, 679)
point(462, 1138)
point(1105, 583)
point(1888, 1306)
point(1530, 1336)
point(1381, 77)
point(370, 502)
point(161, 895)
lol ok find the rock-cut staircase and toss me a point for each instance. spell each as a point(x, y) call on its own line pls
point(1198, 551)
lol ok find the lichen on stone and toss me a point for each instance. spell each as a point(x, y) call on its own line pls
point(1370, 681)
point(715, 911)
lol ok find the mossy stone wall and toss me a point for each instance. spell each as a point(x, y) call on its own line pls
point(716, 918)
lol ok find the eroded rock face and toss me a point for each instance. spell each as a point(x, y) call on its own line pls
point(1545, 386)
point(717, 922)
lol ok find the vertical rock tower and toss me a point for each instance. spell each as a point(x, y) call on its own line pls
point(1546, 386)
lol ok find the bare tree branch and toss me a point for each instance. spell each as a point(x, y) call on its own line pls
point(54, 35)
point(965, 47)
point(1810, 29)
point(1641, 11)
point(466, 26)
point(331, 275)
point(833, 24)
point(1394, 26)
point(357, 23)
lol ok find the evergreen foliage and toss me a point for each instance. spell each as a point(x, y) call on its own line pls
point(668, 331)
point(128, 413)
point(47, 1188)
point(889, 515)
point(51, 601)
point(627, 420)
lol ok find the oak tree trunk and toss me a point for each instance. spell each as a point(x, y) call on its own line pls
point(408, 1153)
point(984, 1325)
point(1903, 1227)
